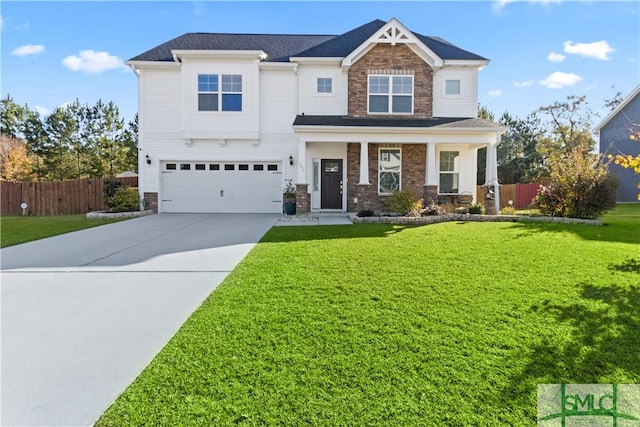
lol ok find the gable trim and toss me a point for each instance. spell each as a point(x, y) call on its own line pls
point(618, 109)
point(393, 32)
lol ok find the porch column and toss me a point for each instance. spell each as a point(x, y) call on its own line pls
point(431, 177)
point(302, 162)
point(492, 173)
point(430, 190)
point(364, 163)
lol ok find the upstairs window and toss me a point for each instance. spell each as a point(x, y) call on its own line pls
point(449, 172)
point(390, 94)
point(324, 85)
point(219, 92)
point(452, 87)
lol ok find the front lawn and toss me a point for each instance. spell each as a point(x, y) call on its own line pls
point(372, 324)
point(21, 229)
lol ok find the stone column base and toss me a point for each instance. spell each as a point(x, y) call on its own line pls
point(489, 203)
point(150, 201)
point(430, 195)
point(303, 202)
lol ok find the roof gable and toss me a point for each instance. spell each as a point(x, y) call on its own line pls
point(618, 109)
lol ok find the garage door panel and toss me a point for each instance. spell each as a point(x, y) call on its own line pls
point(220, 190)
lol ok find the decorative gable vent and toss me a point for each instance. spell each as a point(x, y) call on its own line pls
point(393, 35)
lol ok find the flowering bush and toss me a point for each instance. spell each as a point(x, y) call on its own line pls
point(578, 187)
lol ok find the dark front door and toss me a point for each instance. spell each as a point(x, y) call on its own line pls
point(331, 184)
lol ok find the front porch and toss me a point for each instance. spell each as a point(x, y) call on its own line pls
point(352, 164)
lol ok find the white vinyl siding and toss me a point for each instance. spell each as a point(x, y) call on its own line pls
point(277, 101)
point(311, 102)
point(225, 124)
point(161, 100)
point(464, 104)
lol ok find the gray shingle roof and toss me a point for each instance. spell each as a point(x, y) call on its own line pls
point(280, 47)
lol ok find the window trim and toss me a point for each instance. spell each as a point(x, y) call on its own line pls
point(220, 93)
point(399, 150)
point(390, 94)
point(455, 171)
point(452, 95)
point(331, 80)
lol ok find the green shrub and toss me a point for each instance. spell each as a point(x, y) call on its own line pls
point(125, 199)
point(403, 202)
point(477, 208)
point(578, 186)
point(508, 210)
point(109, 188)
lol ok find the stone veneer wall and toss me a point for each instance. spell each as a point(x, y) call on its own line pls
point(413, 175)
point(150, 201)
point(303, 203)
point(387, 59)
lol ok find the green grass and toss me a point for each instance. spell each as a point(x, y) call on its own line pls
point(447, 324)
point(21, 229)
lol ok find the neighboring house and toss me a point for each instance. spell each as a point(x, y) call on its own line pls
point(615, 132)
point(225, 120)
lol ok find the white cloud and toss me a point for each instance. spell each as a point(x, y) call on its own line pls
point(28, 50)
point(558, 80)
point(43, 111)
point(500, 4)
point(526, 83)
point(598, 50)
point(92, 62)
point(496, 93)
point(556, 57)
point(1, 23)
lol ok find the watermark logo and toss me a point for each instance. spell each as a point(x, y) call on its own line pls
point(570, 405)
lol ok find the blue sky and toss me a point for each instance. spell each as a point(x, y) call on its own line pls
point(540, 51)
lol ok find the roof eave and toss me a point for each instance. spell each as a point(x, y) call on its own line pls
point(137, 65)
point(617, 110)
point(397, 129)
point(329, 60)
point(179, 54)
point(480, 64)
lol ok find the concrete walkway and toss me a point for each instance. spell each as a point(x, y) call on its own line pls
point(84, 313)
point(315, 218)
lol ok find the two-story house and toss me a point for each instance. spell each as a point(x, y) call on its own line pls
point(618, 135)
point(225, 120)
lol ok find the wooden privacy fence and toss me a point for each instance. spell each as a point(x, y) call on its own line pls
point(56, 197)
point(521, 194)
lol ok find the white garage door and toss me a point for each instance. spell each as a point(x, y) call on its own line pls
point(225, 187)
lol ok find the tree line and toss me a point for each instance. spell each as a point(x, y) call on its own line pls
point(82, 141)
point(545, 136)
point(75, 141)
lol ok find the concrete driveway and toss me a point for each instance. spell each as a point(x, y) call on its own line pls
point(84, 313)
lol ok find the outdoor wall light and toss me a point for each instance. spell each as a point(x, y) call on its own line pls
point(290, 160)
point(148, 159)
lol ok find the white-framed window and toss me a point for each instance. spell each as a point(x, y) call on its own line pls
point(390, 94)
point(449, 172)
point(219, 92)
point(389, 170)
point(452, 87)
point(324, 85)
